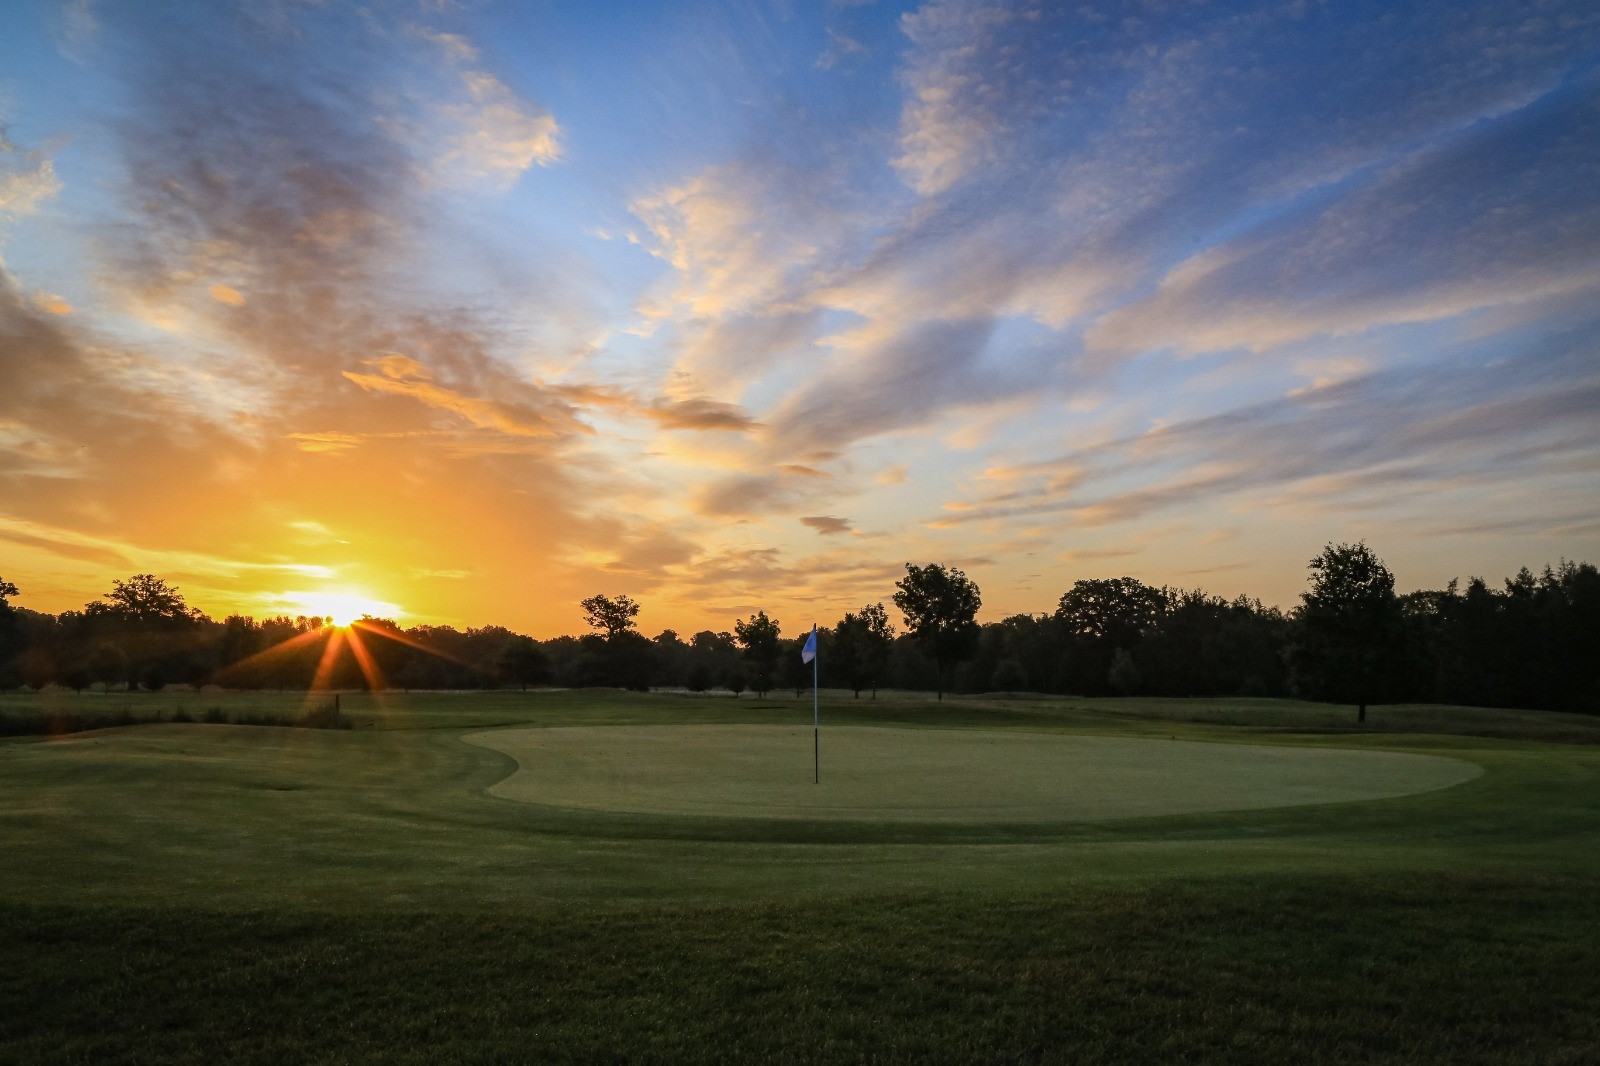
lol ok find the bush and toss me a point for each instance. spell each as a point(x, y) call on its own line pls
point(262, 719)
point(215, 716)
point(1008, 677)
point(322, 716)
point(699, 678)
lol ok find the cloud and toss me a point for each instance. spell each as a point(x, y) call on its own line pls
point(905, 381)
point(696, 413)
point(840, 48)
point(1503, 215)
point(739, 237)
point(827, 526)
point(325, 443)
point(1492, 421)
point(700, 414)
point(536, 416)
point(487, 130)
point(953, 112)
point(27, 179)
point(1376, 223)
point(501, 136)
point(256, 158)
point(51, 303)
point(747, 495)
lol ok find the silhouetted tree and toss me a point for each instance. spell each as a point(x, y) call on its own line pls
point(152, 678)
point(861, 645)
point(673, 658)
point(37, 668)
point(1348, 618)
point(11, 635)
point(108, 665)
point(630, 661)
point(523, 662)
point(940, 608)
point(758, 636)
point(698, 678)
point(716, 655)
point(144, 599)
point(627, 659)
point(611, 616)
point(75, 675)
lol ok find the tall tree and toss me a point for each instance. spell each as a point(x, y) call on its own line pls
point(758, 636)
point(10, 635)
point(1348, 617)
point(940, 607)
point(1117, 610)
point(613, 617)
point(861, 643)
point(146, 600)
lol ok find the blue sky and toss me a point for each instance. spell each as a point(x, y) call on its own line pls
point(476, 309)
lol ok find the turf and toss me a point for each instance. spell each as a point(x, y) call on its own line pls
point(968, 776)
point(195, 892)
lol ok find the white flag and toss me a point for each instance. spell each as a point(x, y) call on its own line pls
point(809, 652)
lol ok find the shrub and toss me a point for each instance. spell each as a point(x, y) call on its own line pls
point(322, 716)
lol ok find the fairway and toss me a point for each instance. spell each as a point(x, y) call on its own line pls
point(961, 776)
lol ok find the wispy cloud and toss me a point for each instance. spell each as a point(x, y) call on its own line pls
point(27, 179)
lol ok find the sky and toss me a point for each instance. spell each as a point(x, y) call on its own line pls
point(466, 311)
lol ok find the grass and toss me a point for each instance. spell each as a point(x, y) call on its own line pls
point(967, 776)
point(191, 892)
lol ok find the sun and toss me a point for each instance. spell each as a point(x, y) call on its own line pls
point(341, 608)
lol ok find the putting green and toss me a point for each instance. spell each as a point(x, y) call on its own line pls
point(935, 775)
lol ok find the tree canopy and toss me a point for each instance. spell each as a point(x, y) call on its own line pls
point(611, 616)
point(1120, 610)
point(861, 644)
point(940, 608)
point(144, 599)
point(759, 637)
point(1349, 617)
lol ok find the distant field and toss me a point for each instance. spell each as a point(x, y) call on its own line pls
point(191, 891)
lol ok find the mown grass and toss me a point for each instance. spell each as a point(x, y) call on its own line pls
point(1358, 969)
point(202, 892)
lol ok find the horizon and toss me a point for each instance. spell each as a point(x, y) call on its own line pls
point(471, 312)
point(337, 611)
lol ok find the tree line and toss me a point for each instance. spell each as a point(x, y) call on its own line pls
point(1535, 642)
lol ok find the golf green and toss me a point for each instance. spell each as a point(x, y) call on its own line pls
point(965, 776)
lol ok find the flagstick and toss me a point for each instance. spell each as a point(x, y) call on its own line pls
point(816, 730)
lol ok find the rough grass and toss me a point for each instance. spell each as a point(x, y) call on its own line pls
point(200, 892)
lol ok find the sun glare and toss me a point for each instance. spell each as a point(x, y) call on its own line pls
point(340, 608)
